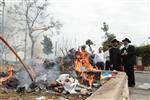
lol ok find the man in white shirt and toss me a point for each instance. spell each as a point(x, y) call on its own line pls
point(107, 58)
point(99, 59)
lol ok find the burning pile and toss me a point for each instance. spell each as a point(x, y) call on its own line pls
point(50, 79)
point(6, 74)
point(58, 77)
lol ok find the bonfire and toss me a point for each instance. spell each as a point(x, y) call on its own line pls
point(47, 76)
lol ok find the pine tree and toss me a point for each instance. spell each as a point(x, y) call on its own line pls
point(47, 45)
point(108, 36)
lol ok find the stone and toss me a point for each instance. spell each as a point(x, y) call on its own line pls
point(84, 91)
point(62, 98)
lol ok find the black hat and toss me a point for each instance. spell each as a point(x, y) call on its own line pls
point(114, 40)
point(126, 39)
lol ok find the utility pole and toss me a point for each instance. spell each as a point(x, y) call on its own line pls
point(2, 8)
point(2, 3)
point(25, 48)
point(56, 49)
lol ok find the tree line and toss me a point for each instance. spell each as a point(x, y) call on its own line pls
point(26, 21)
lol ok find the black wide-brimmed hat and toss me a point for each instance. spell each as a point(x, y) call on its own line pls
point(114, 40)
point(126, 39)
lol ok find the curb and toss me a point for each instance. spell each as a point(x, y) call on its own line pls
point(144, 72)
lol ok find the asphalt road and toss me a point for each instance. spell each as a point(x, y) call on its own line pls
point(137, 93)
point(142, 77)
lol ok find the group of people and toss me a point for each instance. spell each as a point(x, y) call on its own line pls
point(118, 59)
point(113, 58)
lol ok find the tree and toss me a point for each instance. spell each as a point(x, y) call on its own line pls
point(65, 46)
point(9, 33)
point(47, 45)
point(35, 19)
point(105, 28)
point(4, 49)
point(17, 49)
point(108, 40)
point(19, 25)
point(144, 52)
point(108, 36)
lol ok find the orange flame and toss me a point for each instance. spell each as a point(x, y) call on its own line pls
point(91, 80)
point(10, 75)
point(83, 60)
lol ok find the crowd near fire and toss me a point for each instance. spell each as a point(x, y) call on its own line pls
point(79, 72)
point(74, 50)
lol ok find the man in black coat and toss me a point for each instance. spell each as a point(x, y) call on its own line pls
point(128, 54)
point(115, 58)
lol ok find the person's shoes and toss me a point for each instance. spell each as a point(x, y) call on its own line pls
point(132, 85)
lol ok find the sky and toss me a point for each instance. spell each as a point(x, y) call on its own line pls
point(83, 19)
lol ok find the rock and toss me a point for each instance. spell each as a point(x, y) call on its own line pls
point(4, 90)
point(96, 85)
point(62, 98)
point(54, 84)
point(33, 85)
point(70, 98)
point(13, 83)
point(64, 92)
point(41, 98)
point(20, 89)
point(80, 96)
point(78, 89)
point(84, 91)
point(58, 89)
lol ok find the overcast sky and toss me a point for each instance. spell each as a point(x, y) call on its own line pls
point(83, 19)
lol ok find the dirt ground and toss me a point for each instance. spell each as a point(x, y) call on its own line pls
point(34, 95)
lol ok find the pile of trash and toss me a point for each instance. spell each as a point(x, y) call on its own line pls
point(50, 78)
point(72, 85)
point(61, 83)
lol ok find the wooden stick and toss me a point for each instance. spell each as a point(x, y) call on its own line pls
point(5, 42)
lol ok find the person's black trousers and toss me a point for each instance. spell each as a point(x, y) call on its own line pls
point(107, 67)
point(130, 73)
point(100, 65)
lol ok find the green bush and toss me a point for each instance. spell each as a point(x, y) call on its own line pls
point(144, 52)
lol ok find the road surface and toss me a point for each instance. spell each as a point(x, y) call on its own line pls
point(137, 93)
